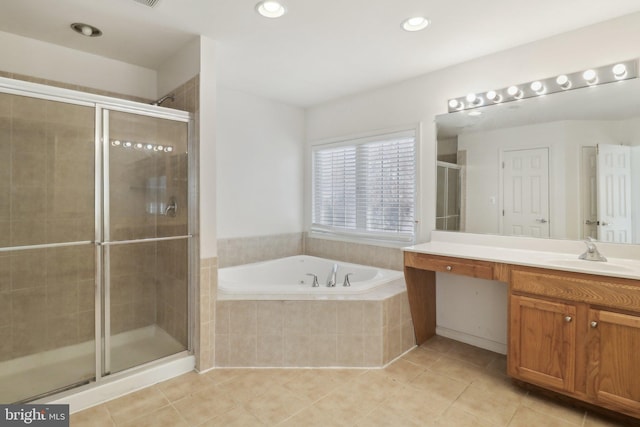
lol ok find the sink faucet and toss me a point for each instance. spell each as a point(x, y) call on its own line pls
point(592, 253)
point(331, 280)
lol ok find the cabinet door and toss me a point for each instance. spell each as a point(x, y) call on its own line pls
point(614, 360)
point(542, 342)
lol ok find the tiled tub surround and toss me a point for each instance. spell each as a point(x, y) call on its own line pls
point(366, 330)
point(357, 253)
point(246, 250)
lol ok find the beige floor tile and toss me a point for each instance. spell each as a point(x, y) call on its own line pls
point(200, 407)
point(184, 385)
point(544, 405)
point(344, 406)
point(456, 417)
point(498, 365)
point(499, 385)
point(406, 402)
point(439, 344)
point(422, 356)
point(237, 417)
point(374, 386)
point(434, 384)
point(98, 416)
point(136, 404)
point(383, 417)
point(222, 375)
point(249, 384)
point(313, 417)
point(313, 385)
point(597, 420)
point(275, 405)
point(527, 417)
point(403, 371)
point(440, 384)
point(470, 354)
point(165, 417)
point(487, 406)
point(457, 369)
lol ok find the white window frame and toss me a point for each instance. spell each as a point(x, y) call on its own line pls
point(382, 239)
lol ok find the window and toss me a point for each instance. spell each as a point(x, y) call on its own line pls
point(366, 187)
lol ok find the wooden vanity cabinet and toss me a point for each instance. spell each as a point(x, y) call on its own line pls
point(614, 360)
point(567, 333)
point(542, 344)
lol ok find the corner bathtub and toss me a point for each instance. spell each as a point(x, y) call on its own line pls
point(268, 315)
point(289, 279)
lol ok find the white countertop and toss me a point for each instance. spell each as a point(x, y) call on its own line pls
point(564, 261)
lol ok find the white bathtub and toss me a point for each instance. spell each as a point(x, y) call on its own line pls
point(287, 278)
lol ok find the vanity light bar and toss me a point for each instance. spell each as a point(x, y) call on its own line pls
point(141, 146)
point(592, 77)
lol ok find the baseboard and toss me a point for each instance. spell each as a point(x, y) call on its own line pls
point(473, 340)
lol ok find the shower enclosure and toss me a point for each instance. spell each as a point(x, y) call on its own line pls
point(95, 237)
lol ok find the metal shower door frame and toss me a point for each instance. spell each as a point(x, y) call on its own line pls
point(103, 232)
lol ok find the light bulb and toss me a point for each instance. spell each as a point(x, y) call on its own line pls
point(494, 96)
point(168, 149)
point(138, 146)
point(538, 88)
point(415, 23)
point(148, 146)
point(564, 82)
point(591, 77)
point(515, 92)
point(619, 71)
point(270, 9)
point(86, 30)
point(453, 103)
point(127, 144)
point(115, 143)
point(159, 148)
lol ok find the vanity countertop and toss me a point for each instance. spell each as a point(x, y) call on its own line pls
point(614, 267)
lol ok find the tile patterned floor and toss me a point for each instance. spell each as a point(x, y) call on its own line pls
point(442, 383)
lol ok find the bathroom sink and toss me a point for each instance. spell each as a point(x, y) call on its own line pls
point(609, 267)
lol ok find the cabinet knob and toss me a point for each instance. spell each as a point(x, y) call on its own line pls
point(593, 324)
point(449, 268)
point(568, 319)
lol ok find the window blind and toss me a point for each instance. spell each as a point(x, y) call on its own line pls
point(366, 187)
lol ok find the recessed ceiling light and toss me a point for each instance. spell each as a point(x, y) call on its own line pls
point(86, 29)
point(270, 9)
point(415, 23)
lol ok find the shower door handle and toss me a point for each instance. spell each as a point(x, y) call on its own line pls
point(172, 208)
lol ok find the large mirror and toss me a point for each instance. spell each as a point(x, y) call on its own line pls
point(564, 165)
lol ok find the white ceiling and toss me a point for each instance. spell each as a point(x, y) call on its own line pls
point(319, 50)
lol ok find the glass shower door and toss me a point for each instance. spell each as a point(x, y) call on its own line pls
point(145, 238)
point(47, 251)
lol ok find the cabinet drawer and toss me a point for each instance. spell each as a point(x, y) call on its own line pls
point(623, 294)
point(465, 267)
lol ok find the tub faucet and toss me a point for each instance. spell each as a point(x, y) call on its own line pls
point(592, 253)
point(331, 280)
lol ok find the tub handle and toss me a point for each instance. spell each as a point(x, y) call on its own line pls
point(346, 280)
point(315, 283)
